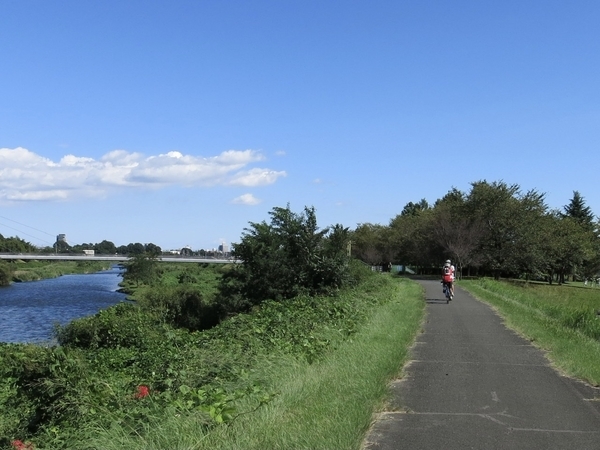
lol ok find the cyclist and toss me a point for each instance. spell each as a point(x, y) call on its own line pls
point(448, 275)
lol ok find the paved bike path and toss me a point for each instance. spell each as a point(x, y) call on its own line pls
point(474, 384)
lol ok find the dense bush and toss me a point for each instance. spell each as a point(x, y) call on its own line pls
point(123, 325)
point(285, 258)
point(6, 273)
point(182, 306)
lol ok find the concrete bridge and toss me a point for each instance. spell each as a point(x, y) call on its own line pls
point(115, 258)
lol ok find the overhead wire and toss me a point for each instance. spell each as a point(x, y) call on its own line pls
point(24, 233)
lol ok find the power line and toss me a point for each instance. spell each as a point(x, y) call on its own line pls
point(22, 224)
point(26, 234)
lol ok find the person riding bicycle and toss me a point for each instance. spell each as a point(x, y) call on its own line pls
point(448, 277)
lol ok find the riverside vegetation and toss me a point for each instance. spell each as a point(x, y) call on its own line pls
point(32, 270)
point(292, 349)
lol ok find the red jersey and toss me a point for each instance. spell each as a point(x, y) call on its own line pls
point(447, 274)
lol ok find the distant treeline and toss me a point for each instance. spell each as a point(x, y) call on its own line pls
point(15, 245)
point(495, 229)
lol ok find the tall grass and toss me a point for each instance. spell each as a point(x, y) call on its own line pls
point(562, 320)
point(327, 404)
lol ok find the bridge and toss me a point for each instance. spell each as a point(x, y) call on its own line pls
point(115, 258)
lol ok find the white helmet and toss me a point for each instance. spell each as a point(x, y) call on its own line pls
point(448, 261)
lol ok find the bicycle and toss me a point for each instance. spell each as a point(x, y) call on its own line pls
point(447, 291)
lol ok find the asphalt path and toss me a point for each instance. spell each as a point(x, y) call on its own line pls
point(474, 384)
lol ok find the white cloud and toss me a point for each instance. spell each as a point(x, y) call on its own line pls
point(25, 175)
point(246, 199)
point(255, 177)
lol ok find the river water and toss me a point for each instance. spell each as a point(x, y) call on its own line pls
point(29, 310)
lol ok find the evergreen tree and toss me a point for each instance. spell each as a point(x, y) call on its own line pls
point(578, 210)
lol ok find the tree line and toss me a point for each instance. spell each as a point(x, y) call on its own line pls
point(495, 229)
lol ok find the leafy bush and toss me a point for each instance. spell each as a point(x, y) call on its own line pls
point(122, 325)
point(284, 259)
point(6, 273)
point(182, 306)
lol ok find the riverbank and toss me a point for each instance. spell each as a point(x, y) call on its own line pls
point(145, 384)
point(34, 270)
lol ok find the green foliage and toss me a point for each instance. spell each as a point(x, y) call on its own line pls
point(182, 306)
point(15, 245)
point(31, 270)
point(495, 229)
point(123, 325)
point(287, 257)
point(6, 273)
point(54, 396)
point(141, 268)
point(580, 212)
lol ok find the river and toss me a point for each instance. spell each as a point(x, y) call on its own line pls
point(29, 310)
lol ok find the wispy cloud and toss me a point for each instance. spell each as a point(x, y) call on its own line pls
point(246, 199)
point(25, 175)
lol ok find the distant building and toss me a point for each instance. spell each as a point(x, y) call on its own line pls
point(89, 252)
point(61, 238)
point(224, 248)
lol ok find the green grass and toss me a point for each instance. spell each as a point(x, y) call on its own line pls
point(204, 277)
point(327, 404)
point(561, 320)
point(33, 270)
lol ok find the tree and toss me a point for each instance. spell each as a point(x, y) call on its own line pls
point(286, 257)
point(141, 268)
point(153, 249)
point(15, 245)
point(105, 248)
point(372, 244)
point(135, 249)
point(413, 209)
point(458, 234)
point(578, 210)
point(511, 245)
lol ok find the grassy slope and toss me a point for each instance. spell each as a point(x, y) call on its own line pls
point(328, 404)
point(551, 318)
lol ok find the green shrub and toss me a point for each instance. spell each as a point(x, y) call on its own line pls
point(285, 258)
point(182, 306)
point(6, 274)
point(123, 325)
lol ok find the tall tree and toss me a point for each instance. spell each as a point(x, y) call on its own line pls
point(372, 244)
point(578, 210)
point(286, 257)
point(413, 209)
point(141, 268)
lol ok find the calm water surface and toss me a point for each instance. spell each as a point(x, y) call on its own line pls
point(28, 311)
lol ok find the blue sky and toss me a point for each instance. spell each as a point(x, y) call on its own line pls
point(179, 122)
